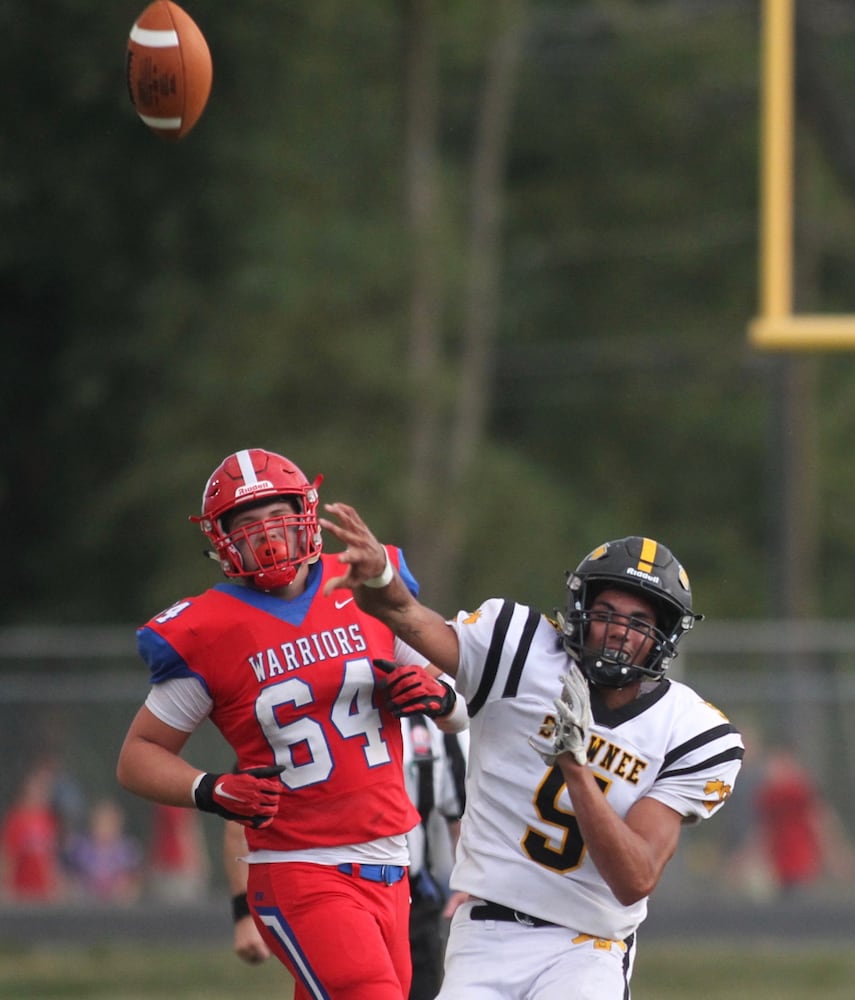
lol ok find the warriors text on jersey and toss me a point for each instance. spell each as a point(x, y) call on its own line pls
point(291, 682)
point(529, 855)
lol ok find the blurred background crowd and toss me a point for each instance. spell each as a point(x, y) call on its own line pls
point(66, 841)
point(59, 845)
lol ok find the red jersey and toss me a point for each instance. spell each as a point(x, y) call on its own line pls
point(175, 840)
point(30, 842)
point(292, 683)
point(789, 810)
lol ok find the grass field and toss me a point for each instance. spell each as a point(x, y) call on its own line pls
point(692, 971)
point(662, 973)
point(123, 973)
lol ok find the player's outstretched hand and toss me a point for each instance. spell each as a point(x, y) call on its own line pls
point(568, 731)
point(411, 690)
point(249, 797)
point(364, 558)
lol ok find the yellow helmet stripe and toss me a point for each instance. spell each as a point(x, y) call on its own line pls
point(648, 555)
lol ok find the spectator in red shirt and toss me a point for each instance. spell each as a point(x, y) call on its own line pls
point(178, 863)
point(801, 834)
point(30, 842)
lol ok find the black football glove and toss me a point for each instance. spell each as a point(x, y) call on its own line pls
point(249, 797)
point(411, 690)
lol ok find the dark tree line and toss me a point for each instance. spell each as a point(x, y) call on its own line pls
point(487, 266)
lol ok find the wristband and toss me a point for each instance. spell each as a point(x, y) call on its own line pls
point(385, 578)
point(198, 781)
point(456, 720)
point(240, 907)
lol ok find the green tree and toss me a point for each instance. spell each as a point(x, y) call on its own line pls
point(506, 328)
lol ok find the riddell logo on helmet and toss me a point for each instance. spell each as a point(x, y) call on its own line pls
point(262, 484)
point(645, 576)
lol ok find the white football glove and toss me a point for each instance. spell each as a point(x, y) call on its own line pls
point(568, 731)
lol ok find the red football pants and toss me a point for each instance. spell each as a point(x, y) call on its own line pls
point(341, 936)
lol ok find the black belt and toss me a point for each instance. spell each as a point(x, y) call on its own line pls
point(495, 911)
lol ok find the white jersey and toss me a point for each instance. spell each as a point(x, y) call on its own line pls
point(520, 844)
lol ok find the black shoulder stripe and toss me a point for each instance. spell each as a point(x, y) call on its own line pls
point(524, 645)
point(715, 733)
point(494, 655)
point(732, 753)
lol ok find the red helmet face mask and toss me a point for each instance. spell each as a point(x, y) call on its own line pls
point(278, 545)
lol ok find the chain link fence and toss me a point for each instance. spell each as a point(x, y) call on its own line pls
point(69, 694)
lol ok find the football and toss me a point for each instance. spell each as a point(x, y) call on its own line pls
point(169, 71)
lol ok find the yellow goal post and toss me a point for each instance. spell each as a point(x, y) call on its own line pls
point(777, 328)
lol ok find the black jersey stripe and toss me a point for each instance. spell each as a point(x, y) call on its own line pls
point(458, 771)
point(523, 646)
point(494, 656)
point(700, 740)
point(628, 958)
point(732, 753)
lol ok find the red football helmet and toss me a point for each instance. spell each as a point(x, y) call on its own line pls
point(280, 544)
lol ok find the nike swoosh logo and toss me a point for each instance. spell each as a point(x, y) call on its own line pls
point(219, 790)
point(340, 604)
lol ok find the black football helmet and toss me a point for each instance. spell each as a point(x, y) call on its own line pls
point(638, 565)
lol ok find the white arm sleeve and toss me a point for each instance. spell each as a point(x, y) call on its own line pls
point(406, 654)
point(180, 702)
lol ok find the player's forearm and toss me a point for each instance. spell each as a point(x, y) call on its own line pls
point(380, 591)
point(420, 627)
point(154, 773)
point(393, 604)
point(623, 858)
point(234, 847)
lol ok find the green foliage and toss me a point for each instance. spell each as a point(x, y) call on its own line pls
point(165, 304)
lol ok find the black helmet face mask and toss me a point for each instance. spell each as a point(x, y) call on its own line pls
point(607, 652)
point(618, 648)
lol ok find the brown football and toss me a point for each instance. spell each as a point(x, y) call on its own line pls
point(169, 69)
